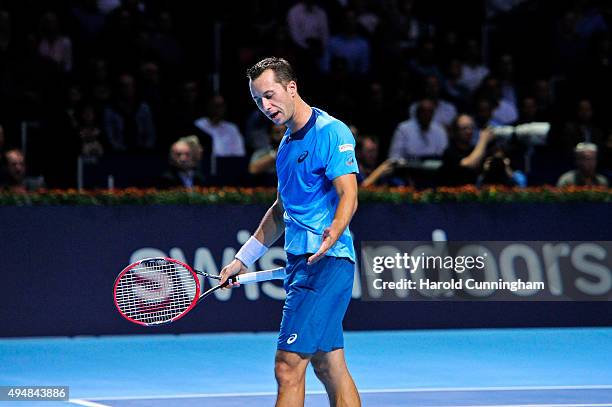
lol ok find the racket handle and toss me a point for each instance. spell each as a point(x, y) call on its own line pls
point(273, 274)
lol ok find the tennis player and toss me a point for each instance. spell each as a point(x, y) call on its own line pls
point(316, 199)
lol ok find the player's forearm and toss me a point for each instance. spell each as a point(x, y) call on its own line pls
point(347, 206)
point(272, 225)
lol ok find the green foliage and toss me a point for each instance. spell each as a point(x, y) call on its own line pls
point(208, 196)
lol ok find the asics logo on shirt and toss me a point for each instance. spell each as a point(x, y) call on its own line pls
point(292, 338)
point(302, 156)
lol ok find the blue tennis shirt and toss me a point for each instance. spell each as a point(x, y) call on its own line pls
point(306, 164)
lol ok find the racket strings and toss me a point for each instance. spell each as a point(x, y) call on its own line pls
point(167, 304)
point(155, 292)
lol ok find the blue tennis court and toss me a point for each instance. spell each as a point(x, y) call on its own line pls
point(503, 367)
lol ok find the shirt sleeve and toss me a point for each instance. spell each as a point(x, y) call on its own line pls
point(341, 152)
point(396, 149)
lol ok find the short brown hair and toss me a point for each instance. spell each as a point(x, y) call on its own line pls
point(282, 69)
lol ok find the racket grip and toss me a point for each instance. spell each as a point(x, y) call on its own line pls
point(273, 274)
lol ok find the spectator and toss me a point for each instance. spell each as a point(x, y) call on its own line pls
point(90, 133)
point(165, 45)
point(52, 44)
point(585, 173)
point(590, 20)
point(107, 6)
point(257, 130)
point(129, 123)
point(68, 117)
point(448, 46)
point(484, 114)
point(308, 24)
point(282, 44)
point(574, 29)
point(528, 111)
point(78, 49)
point(507, 80)
point(504, 112)
point(370, 173)
point(309, 30)
point(97, 72)
point(15, 179)
point(543, 95)
point(367, 19)
point(226, 138)
point(349, 46)
point(444, 112)
point(135, 8)
point(197, 150)
point(497, 170)
point(122, 36)
point(89, 22)
point(419, 137)
point(263, 160)
point(378, 113)
point(461, 162)
point(183, 161)
point(454, 89)
point(405, 28)
point(424, 64)
point(472, 71)
point(187, 108)
point(153, 94)
point(343, 100)
point(582, 129)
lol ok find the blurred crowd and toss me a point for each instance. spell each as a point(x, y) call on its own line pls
point(153, 93)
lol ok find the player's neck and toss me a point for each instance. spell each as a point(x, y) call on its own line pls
point(301, 115)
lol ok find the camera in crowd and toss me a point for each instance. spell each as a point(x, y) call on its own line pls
point(530, 134)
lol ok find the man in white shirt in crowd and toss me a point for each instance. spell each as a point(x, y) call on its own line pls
point(308, 22)
point(473, 71)
point(420, 136)
point(444, 112)
point(227, 141)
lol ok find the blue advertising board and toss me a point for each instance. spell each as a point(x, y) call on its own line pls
point(60, 262)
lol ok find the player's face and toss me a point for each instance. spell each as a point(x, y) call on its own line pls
point(275, 100)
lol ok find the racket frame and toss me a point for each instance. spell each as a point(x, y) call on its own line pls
point(193, 303)
point(198, 295)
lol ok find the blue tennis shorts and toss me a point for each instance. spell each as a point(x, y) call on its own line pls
point(317, 298)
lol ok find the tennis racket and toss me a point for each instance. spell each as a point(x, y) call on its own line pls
point(160, 290)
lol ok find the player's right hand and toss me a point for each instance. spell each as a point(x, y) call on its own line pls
point(233, 269)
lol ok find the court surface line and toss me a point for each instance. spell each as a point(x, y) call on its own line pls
point(87, 403)
point(372, 391)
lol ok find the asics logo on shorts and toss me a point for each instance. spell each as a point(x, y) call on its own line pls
point(292, 338)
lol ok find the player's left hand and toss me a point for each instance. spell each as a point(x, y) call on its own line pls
point(329, 239)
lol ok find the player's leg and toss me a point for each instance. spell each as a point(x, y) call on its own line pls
point(331, 369)
point(290, 373)
point(329, 363)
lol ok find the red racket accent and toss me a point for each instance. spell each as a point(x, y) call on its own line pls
point(156, 291)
